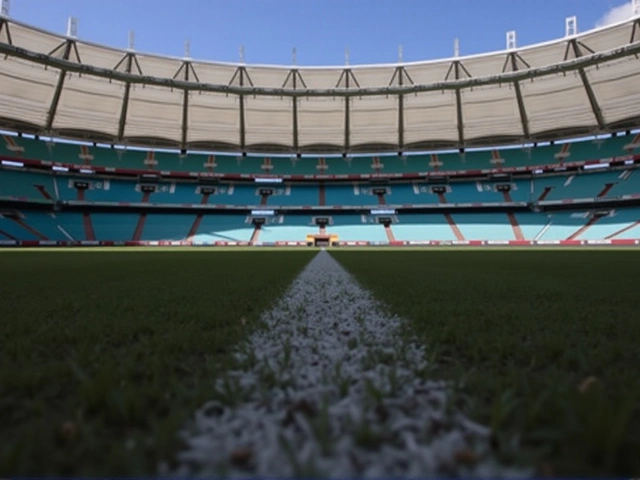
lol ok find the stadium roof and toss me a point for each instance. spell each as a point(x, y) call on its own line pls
point(61, 86)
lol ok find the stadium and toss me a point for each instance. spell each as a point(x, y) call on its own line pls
point(320, 362)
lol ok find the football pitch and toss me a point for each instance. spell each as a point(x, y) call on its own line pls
point(105, 354)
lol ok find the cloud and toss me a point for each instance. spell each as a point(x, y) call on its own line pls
point(616, 14)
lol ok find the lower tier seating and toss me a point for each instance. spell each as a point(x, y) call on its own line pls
point(621, 223)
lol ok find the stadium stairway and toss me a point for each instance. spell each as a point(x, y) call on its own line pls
point(517, 231)
point(198, 220)
point(631, 231)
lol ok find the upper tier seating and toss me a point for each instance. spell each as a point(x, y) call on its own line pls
point(22, 147)
point(26, 185)
point(39, 186)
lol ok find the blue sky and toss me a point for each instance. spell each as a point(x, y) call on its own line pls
point(319, 29)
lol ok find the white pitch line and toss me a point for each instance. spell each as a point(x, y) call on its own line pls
point(330, 389)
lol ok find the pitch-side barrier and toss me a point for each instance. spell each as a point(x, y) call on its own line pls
point(433, 243)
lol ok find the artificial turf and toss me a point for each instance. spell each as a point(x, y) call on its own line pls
point(522, 333)
point(105, 354)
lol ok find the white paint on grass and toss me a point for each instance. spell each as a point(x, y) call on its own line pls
point(330, 389)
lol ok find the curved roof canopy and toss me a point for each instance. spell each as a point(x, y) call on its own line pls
point(60, 86)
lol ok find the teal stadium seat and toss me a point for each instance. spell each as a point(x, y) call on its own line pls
point(223, 228)
point(422, 227)
point(287, 228)
point(484, 226)
point(27, 185)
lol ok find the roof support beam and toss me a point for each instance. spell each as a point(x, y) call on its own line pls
point(185, 108)
point(634, 31)
point(241, 79)
point(4, 26)
point(295, 80)
point(58, 91)
point(347, 80)
point(125, 99)
point(593, 101)
point(400, 111)
point(347, 117)
point(521, 75)
point(243, 129)
point(521, 106)
point(522, 109)
point(459, 115)
point(459, 118)
point(296, 145)
point(400, 78)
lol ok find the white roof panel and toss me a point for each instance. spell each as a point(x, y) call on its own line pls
point(374, 120)
point(557, 102)
point(430, 117)
point(154, 112)
point(555, 99)
point(106, 104)
point(321, 121)
point(497, 101)
point(269, 120)
point(616, 89)
point(214, 118)
point(26, 91)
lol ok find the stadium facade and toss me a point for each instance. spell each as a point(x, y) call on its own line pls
point(320, 155)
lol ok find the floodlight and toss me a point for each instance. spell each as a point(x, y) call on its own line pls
point(10, 163)
point(72, 27)
point(571, 26)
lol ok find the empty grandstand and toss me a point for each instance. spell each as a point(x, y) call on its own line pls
point(319, 170)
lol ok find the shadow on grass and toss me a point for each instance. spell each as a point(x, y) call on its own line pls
point(105, 355)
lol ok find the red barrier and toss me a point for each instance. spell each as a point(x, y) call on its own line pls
point(624, 242)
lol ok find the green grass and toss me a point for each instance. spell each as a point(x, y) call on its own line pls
point(105, 354)
point(519, 331)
